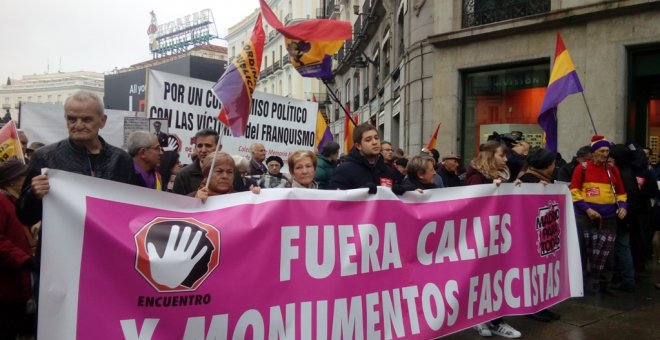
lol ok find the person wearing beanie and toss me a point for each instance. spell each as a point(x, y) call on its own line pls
point(599, 198)
point(16, 252)
point(540, 166)
point(274, 178)
point(401, 165)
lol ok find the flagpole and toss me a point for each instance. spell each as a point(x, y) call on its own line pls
point(589, 112)
point(222, 133)
point(334, 97)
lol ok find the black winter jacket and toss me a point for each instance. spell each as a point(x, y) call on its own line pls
point(356, 172)
point(111, 163)
point(188, 179)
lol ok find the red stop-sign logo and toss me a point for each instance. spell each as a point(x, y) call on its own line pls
point(176, 254)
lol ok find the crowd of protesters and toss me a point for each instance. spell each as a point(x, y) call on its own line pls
point(614, 190)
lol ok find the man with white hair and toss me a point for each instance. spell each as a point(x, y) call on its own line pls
point(257, 167)
point(83, 152)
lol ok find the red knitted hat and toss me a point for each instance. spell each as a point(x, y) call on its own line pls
point(598, 142)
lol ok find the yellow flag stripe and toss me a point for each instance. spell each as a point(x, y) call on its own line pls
point(563, 66)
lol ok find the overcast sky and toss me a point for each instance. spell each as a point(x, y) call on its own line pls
point(93, 35)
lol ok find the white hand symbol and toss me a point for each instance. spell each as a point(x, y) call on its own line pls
point(172, 144)
point(175, 265)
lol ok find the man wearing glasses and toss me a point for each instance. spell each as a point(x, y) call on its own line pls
point(145, 149)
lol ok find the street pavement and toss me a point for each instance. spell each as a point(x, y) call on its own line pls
point(629, 316)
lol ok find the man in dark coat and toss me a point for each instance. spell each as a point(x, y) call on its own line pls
point(257, 167)
point(565, 173)
point(84, 152)
point(448, 171)
point(189, 178)
point(364, 167)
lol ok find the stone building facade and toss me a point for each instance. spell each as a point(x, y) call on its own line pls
point(479, 66)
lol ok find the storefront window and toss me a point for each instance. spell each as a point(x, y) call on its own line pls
point(502, 100)
point(644, 98)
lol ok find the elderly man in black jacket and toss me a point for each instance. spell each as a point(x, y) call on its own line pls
point(364, 167)
point(84, 152)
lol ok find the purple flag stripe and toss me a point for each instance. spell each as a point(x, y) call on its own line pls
point(560, 89)
point(227, 89)
point(327, 137)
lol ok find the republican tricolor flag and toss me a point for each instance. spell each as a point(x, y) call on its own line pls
point(10, 144)
point(563, 82)
point(311, 43)
point(236, 85)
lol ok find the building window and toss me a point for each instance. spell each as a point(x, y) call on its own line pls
point(386, 58)
point(290, 85)
point(356, 91)
point(502, 100)
point(375, 71)
point(481, 12)
point(347, 93)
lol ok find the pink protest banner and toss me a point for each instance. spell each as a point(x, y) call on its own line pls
point(122, 262)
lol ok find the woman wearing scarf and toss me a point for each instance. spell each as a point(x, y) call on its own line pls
point(302, 165)
point(222, 177)
point(490, 167)
point(540, 166)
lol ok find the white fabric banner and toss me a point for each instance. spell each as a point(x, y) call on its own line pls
point(282, 124)
point(45, 123)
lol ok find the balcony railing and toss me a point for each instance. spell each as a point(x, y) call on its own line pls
point(277, 65)
point(286, 60)
point(266, 72)
point(481, 12)
point(357, 28)
point(288, 18)
point(330, 8)
point(366, 7)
